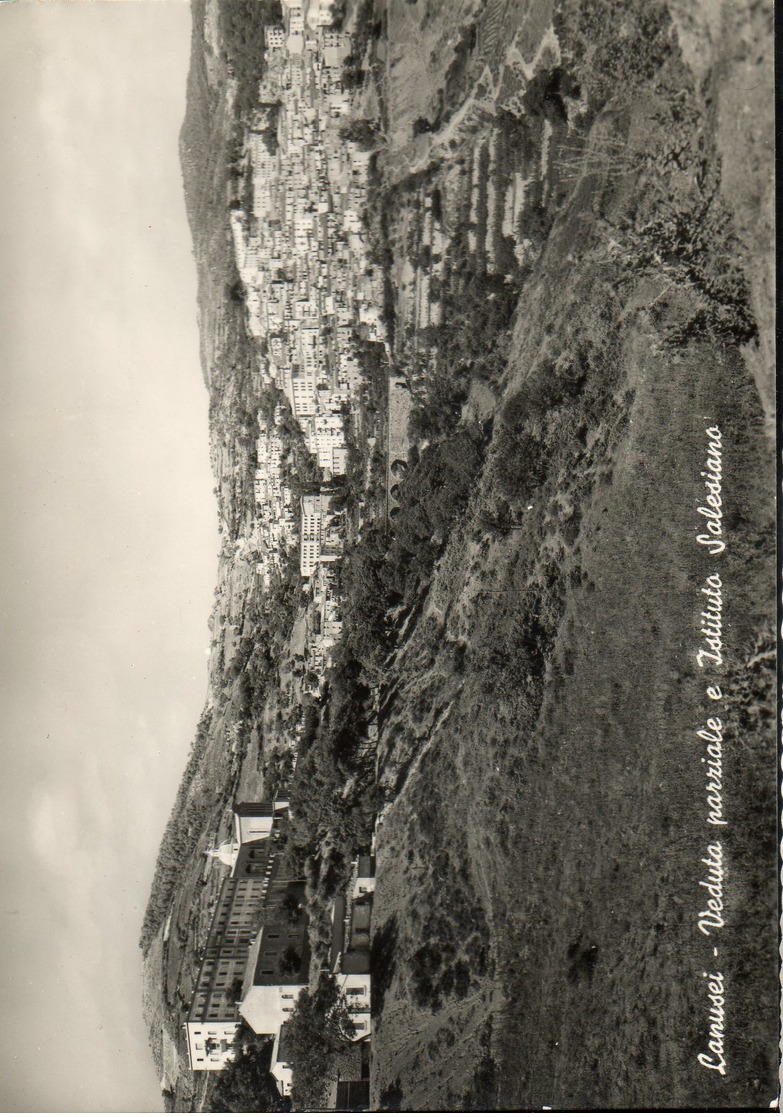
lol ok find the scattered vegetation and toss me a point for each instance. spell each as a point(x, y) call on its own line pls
point(366, 28)
point(482, 1094)
point(333, 793)
point(384, 575)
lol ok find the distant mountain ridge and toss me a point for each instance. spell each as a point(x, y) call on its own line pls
point(194, 136)
point(203, 141)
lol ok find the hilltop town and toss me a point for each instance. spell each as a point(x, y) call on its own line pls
point(290, 430)
point(466, 273)
point(302, 256)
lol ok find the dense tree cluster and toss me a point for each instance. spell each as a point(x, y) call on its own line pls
point(364, 133)
point(385, 572)
point(247, 1085)
point(333, 797)
point(318, 1033)
point(605, 61)
point(242, 23)
point(478, 308)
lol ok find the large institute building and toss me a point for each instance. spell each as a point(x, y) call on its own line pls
point(257, 957)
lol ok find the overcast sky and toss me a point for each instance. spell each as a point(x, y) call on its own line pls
point(109, 533)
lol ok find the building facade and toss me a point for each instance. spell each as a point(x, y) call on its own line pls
point(258, 933)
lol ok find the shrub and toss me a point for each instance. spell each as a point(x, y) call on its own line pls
point(521, 464)
point(246, 1085)
point(290, 962)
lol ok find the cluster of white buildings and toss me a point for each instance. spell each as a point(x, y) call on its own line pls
point(327, 626)
point(320, 544)
point(275, 505)
point(302, 256)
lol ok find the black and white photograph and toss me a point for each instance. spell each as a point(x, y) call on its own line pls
point(389, 566)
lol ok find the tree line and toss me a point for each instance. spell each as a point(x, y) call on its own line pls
point(179, 838)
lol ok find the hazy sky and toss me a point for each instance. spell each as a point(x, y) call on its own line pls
point(109, 533)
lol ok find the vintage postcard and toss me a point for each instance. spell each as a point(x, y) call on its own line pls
point(390, 578)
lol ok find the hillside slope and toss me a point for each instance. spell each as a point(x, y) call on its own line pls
point(540, 740)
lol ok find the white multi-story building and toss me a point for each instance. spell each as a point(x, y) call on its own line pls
point(302, 392)
point(324, 434)
point(274, 38)
point(310, 542)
